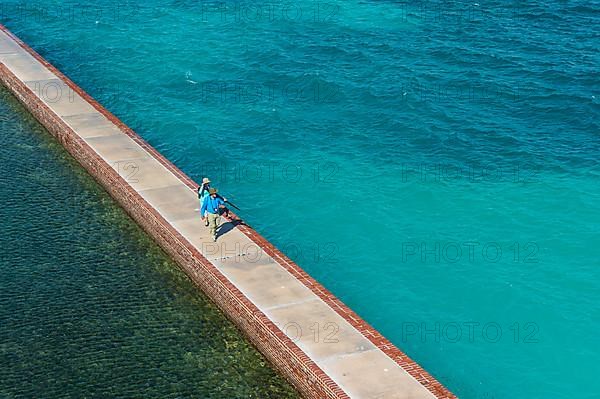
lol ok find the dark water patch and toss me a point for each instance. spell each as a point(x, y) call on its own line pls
point(89, 305)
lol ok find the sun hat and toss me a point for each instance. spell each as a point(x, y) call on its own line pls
point(205, 180)
point(212, 191)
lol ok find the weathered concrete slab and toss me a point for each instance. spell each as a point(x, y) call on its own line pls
point(320, 332)
point(145, 173)
point(92, 125)
point(172, 202)
point(117, 148)
point(8, 46)
point(25, 67)
point(193, 228)
point(230, 244)
point(56, 94)
point(264, 281)
point(370, 375)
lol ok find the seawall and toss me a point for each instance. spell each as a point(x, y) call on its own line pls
point(270, 298)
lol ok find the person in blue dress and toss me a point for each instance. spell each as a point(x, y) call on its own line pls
point(202, 195)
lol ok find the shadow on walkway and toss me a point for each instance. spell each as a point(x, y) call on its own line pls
point(228, 226)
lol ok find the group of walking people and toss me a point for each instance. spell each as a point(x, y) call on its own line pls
point(211, 206)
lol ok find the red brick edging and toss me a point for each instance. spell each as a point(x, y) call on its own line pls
point(306, 376)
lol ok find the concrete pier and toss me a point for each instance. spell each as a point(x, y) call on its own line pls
point(270, 298)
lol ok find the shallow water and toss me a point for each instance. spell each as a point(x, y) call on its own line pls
point(433, 164)
point(89, 305)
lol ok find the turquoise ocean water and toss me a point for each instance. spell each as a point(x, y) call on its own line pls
point(434, 164)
